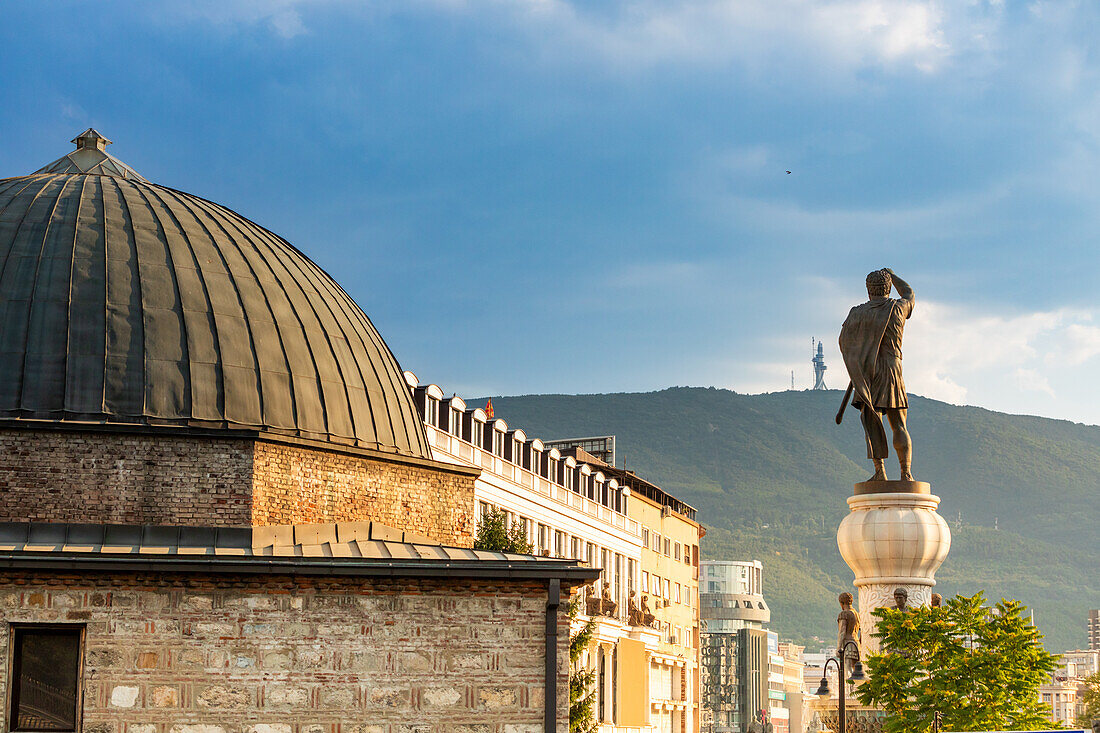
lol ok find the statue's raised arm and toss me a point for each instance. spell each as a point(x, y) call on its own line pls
point(870, 342)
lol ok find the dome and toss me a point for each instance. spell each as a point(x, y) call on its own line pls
point(123, 302)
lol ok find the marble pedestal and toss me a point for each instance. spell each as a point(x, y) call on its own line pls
point(893, 538)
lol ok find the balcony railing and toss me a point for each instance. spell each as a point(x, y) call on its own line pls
point(474, 456)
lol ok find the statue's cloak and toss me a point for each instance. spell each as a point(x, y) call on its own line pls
point(860, 340)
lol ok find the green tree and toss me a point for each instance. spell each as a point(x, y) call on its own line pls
point(493, 534)
point(582, 680)
point(980, 668)
point(1090, 700)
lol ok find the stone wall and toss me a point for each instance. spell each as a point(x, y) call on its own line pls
point(121, 478)
point(295, 484)
point(118, 478)
point(191, 654)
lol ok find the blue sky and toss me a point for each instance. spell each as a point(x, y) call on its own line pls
point(556, 196)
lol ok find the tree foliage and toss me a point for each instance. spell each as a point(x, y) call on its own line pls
point(1090, 701)
point(980, 668)
point(582, 680)
point(493, 534)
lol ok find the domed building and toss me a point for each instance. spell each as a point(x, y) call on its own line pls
point(218, 508)
point(180, 364)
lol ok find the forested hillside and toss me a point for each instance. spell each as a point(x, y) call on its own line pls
point(770, 473)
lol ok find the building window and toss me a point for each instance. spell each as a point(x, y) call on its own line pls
point(477, 436)
point(645, 582)
point(431, 412)
point(456, 424)
point(536, 462)
point(676, 588)
point(668, 547)
point(568, 478)
point(45, 678)
point(668, 589)
point(645, 536)
point(657, 586)
point(676, 550)
point(498, 443)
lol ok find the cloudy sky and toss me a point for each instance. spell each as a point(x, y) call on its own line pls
point(590, 196)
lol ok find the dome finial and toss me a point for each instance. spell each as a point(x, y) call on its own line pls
point(90, 139)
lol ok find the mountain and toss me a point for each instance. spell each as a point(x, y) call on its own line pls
point(770, 473)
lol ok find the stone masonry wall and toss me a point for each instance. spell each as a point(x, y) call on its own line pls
point(192, 654)
point(118, 478)
point(296, 485)
point(123, 478)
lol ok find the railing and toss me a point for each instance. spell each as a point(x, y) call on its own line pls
point(505, 469)
point(41, 705)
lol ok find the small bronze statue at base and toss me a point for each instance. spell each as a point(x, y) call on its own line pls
point(633, 613)
point(901, 599)
point(648, 619)
point(847, 625)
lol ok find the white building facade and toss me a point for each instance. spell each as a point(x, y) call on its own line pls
point(570, 510)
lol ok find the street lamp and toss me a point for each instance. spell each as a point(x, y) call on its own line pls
point(857, 676)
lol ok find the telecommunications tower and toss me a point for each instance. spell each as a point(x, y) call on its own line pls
point(819, 367)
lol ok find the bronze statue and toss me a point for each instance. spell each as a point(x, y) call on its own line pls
point(609, 605)
point(937, 600)
point(648, 619)
point(847, 622)
point(870, 342)
point(901, 598)
point(601, 605)
point(633, 613)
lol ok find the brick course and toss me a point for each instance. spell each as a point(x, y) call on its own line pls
point(201, 654)
point(297, 485)
point(121, 478)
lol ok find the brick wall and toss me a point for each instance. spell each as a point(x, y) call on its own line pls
point(190, 654)
point(119, 478)
point(294, 484)
point(115, 478)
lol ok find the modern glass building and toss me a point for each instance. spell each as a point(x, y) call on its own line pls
point(734, 647)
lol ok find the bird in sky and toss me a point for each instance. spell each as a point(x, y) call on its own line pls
point(788, 173)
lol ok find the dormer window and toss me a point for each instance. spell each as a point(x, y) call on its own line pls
point(477, 433)
point(431, 411)
point(498, 443)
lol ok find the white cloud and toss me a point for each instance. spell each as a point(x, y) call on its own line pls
point(1032, 381)
point(964, 355)
point(829, 34)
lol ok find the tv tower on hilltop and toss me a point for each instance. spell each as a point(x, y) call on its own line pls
point(819, 366)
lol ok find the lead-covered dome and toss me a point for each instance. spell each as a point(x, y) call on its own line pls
point(125, 302)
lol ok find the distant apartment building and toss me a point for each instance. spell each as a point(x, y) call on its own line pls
point(735, 655)
point(1078, 664)
point(1061, 695)
point(645, 542)
point(794, 670)
point(1094, 629)
point(1064, 693)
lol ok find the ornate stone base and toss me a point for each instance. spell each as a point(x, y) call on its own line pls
point(892, 539)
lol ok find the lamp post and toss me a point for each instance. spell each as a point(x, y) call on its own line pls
point(857, 676)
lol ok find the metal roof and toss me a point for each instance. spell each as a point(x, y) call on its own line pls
point(126, 302)
point(91, 156)
point(355, 548)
